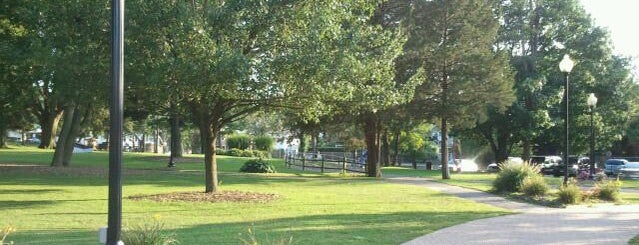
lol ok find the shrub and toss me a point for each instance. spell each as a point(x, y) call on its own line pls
point(264, 143)
point(608, 190)
point(221, 152)
point(235, 152)
point(8, 229)
point(246, 153)
point(600, 177)
point(261, 154)
point(512, 175)
point(257, 166)
point(148, 234)
point(569, 194)
point(239, 141)
point(534, 186)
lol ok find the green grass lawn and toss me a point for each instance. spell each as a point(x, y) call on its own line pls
point(68, 207)
point(483, 181)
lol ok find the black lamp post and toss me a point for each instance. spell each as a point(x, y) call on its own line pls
point(565, 66)
point(592, 104)
point(115, 147)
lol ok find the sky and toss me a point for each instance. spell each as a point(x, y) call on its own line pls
point(621, 17)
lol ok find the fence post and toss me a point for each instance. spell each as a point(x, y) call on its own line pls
point(322, 164)
point(344, 165)
point(303, 161)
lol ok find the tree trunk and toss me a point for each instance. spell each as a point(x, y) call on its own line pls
point(503, 147)
point(386, 159)
point(66, 127)
point(444, 149)
point(3, 136)
point(526, 148)
point(208, 136)
point(396, 147)
point(143, 142)
point(302, 146)
point(372, 145)
point(157, 136)
point(49, 125)
point(71, 138)
point(314, 142)
point(176, 137)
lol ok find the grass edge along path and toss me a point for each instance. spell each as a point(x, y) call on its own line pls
point(319, 209)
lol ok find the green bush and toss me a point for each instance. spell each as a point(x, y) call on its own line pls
point(148, 234)
point(221, 152)
point(235, 152)
point(264, 143)
point(512, 175)
point(261, 154)
point(534, 186)
point(599, 177)
point(257, 166)
point(239, 141)
point(569, 194)
point(246, 153)
point(608, 190)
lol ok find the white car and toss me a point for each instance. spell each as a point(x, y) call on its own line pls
point(468, 165)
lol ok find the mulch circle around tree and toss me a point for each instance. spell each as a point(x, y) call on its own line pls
point(222, 196)
point(177, 159)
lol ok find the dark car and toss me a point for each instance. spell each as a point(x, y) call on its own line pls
point(103, 146)
point(612, 166)
point(574, 164)
point(14, 139)
point(546, 163)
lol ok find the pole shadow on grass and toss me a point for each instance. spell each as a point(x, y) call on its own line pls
point(384, 228)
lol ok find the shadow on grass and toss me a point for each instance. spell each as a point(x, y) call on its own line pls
point(164, 179)
point(5, 205)
point(384, 228)
point(31, 191)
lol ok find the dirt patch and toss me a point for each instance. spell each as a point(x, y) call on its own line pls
point(224, 196)
point(177, 159)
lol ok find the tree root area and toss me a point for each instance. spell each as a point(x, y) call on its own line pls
point(222, 196)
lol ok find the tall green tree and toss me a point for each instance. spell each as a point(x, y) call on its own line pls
point(27, 56)
point(79, 44)
point(230, 59)
point(536, 34)
point(452, 42)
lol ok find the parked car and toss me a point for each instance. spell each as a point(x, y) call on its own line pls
point(517, 160)
point(574, 164)
point(14, 139)
point(453, 166)
point(629, 170)
point(468, 165)
point(32, 141)
point(103, 146)
point(612, 166)
point(547, 163)
point(492, 168)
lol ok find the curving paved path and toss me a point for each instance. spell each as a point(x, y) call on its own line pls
point(598, 224)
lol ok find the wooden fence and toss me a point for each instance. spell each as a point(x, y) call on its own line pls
point(325, 162)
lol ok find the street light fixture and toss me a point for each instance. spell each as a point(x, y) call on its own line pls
point(565, 66)
point(592, 104)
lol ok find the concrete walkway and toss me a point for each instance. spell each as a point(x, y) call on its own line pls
point(598, 224)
